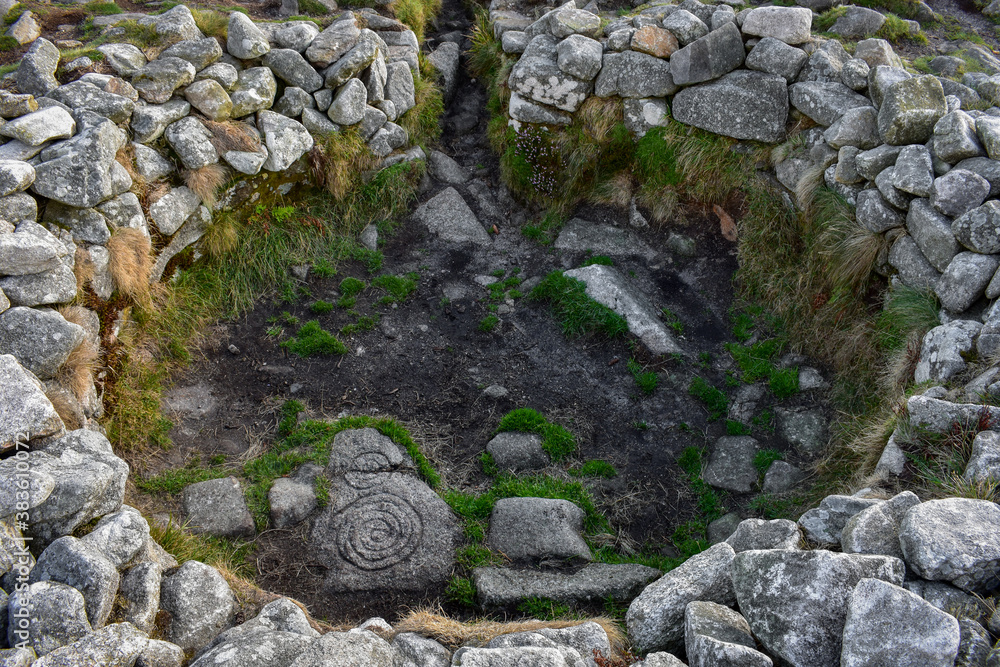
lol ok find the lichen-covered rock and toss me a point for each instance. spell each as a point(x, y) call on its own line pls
point(78, 564)
point(654, 618)
point(932, 233)
point(875, 530)
point(717, 636)
point(120, 536)
point(117, 645)
point(965, 279)
point(210, 98)
point(741, 104)
point(200, 604)
point(789, 24)
point(54, 615)
point(36, 72)
point(245, 40)
point(254, 90)
point(336, 40)
point(34, 129)
point(538, 529)
point(289, 66)
point(825, 102)
point(910, 110)
point(15, 176)
point(349, 102)
point(140, 589)
point(170, 211)
point(199, 52)
point(286, 140)
point(150, 121)
point(217, 507)
point(956, 540)
point(537, 77)
point(825, 523)
point(634, 75)
point(41, 341)
point(25, 412)
point(157, 80)
point(709, 57)
point(192, 142)
point(731, 464)
point(885, 622)
point(796, 601)
point(773, 56)
point(349, 649)
point(755, 534)
point(958, 192)
point(364, 53)
point(82, 171)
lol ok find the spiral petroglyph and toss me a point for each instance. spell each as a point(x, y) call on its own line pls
point(378, 531)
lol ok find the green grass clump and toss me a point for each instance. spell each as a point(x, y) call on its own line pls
point(8, 43)
point(714, 399)
point(422, 122)
point(784, 382)
point(312, 340)
point(543, 609)
point(321, 486)
point(313, 8)
point(595, 468)
point(648, 381)
point(98, 8)
point(489, 464)
point(175, 480)
point(289, 417)
point(397, 288)
point(691, 537)
point(321, 307)
point(556, 440)
point(736, 428)
point(763, 459)
point(488, 323)
point(603, 260)
point(756, 363)
point(362, 323)
point(671, 320)
point(219, 552)
point(576, 312)
point(897, 30)
point(461, 590)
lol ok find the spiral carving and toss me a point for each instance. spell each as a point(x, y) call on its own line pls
point(378, 531)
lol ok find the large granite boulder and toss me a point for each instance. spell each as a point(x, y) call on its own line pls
point(200, 604)
point(537, 77)
point(709, 57)
point(40, 340)
point(742, 104)
point(910, 110)
point(634, 75)
point(78, 564)
point(538, 529)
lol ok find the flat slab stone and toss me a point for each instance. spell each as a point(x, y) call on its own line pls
point(608, 287)
point(579, 234)
point(382, 530)
point(450, 218)
point(501, 587)
point(538, 529)
point(217, 507)
point(517, 451)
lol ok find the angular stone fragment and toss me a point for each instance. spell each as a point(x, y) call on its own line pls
point(36, 72)
point(339, 38)
point(913, 267)
point(75, 563)
point(825, 523)
point(709, 57)
point(914, 172)
point(211, 99)
point(538, 529)
point(875, 214)
point(41, 340)
point(55, 613)
point(244, 39)
point(217, 507)
point(192, 142)
point(910, 110)
point(25, 412)
point(254, 90)
point(286, 140)
point(731, 464)
point(449, 217)
point(875, 530)
point(157, 81)
point(199, 52)
point(200, 603)
point(633, 75)
point(537, 76)
point(825, 102)
point(34, 129)
point(150, 121)
point(789, 24)
point(773, 56)
point(717, 636)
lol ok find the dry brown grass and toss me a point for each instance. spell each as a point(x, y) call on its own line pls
point(809, 183)
point(83, 268)
point(67, 407)
point(126, 158)
point(599, 115)
point(205, 182)
point(436, 625)
point(154, 192)
point(232, 136)
point(130, 262)
point(338, 160)
point(663, 204)
point(616, 191)
point(77, 372)
point(221, 236)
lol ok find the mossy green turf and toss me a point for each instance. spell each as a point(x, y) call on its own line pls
point(576, 312)
point(312, 340)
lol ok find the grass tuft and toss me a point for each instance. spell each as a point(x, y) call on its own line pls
point(577, 313)
point(312, 340)
point(205, 182)
point(130, 263)
point(556, 440)
point(714, 399)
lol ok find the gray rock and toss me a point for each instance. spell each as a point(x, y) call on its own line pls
point(519, 646)
point(824, 102)
point(885, 621)
point(82, 171)
point(537, 77)
point(55, 615)
point(200, 603)
point(277, 648)
point(298, 35)
point(660, 659)
point(40, 340)
point(350, 649)
point(742, 104)
point(24, 253)
point(722, 528)
point(791, 25)
point(759, 534)
point(805, 430)
point(984, 462)
point(608, 286)
point(634, 75)
point(685, 26)
point(117, 645)
point(36, 72)
point(192, 230)
point(399, 87)
point(941, 354)
point(517, 451)
point(914, 171)
point(854, 74)
point(254, 90)
point(384, 529)
point(244, 39)
point(86, 225)
point(579, 57)
point(913, 267)
point(199, 52)
point(173, 25)
point(49, 287)
point(881, 78)
point(796, 602)
point(160, 654)
point(150, 165)
point(717, 636)
point(958, 192)
point(75, 563)
point(875, 530)
point(538, 529)
point(13, 105)
point(34, 129)
point(932, 233)
point(170, 211)
point(17, 207)
point(150, 121)
point(217, 507)
point(444, 169)
point(858, 22)
point(824, 524)
point(654, 618)
point(124, 59)
point(502, 587)
point(857, 127)
point(450, 218)
point(514, 41)
point(781, 477)
point(875, 214)
point(709, 57)
point(339, 38)
point(292, 499)
point(225, 74)
point(348, 105)
point(877, 52)
point(192, 142)
point(289, 66)
point(974, 644)
point(314, 121)
point(955, 138)
point(26, 412)
point(140, 589)
point(965, 279)
point(953, 540)
point(210, 98)
point(82, 95)
point(873, 162)
point(985, 167)
point(731, 465)
point(826, 63)
point(910, 110)
point(120, 536)
point(281, 615)
point(939, 416)
point(15, 176)
point(157, 81)
point(643, 115)
point(567, 21)
point(286, 140)
point(352, 63)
